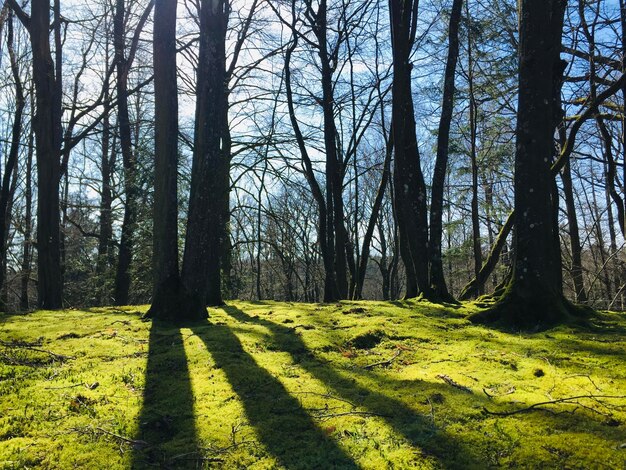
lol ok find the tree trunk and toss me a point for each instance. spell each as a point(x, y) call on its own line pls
point(437, 280)
point(574, 235)
point(105, 233)
point(622, 4)
point(473, 114)
point(203, 238)
point(122, 277)
point(28, 217)
point(336, 231)
point(47, 126)
point(533, 297)
point(410, 189)
point(6, 195)
point(170, 301)
point(369, 232)
point(326, 245)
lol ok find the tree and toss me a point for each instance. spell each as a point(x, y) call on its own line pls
point(123, 64)
point(409, 185)
point(437, 280)
point(47, 125)
point(204, 231)
point(7, 189)
point(534, 295)
point(169, 298)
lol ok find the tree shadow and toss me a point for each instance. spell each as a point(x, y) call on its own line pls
point(167, 435)
point(5, 317)
point(282, 426)
point(417, 429)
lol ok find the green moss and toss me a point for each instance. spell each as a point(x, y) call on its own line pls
point(367, 340)
point(277, 385)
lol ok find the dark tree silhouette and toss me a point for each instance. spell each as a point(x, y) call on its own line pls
point(47, 125)
point(201, 260)
point(533, 297)
point(409, 185)
point(437, 280)
point(169, 299)
point(123, 63)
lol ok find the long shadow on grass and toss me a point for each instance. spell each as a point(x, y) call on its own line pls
point(417, 429)
point(283, 427)
point(166, 422)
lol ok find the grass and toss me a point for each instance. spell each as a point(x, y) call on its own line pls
point(267, 385)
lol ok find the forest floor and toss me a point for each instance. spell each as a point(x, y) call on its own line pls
point(371, 385)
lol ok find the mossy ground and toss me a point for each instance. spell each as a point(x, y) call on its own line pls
point(277, 385)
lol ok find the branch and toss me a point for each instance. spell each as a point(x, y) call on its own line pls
point(536, 406)
point(20, 13)
point(82, 231)
point(589, 112)
point(384, 363)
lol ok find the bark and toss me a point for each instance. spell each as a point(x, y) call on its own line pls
point(28, 217)
point(576, 270)
point(622, 4)
point(225, 265)
point(473, 112)
point(533, 297)
point(47, 125)
point(105, 232)
point(369, 232)
point(326, 246)
point(383, 264)
point(410, 189)
point(170, 301)
point(334, 183)
point(122, 277)
point(437, 280)
point(203, 237)
point(6, 193)
point(336, 234)
point(601, 267)
point(613, 271)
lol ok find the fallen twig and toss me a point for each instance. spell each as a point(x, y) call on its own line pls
point(200, 458)
point(350, 413)
point(330, 396)
point(91, 386)
point(537, 406)
point(31, 347)
point(384, 363)
point(134, 442)
point(61, 388)
point(508, 392)
point(454, 384)
point(98, 430)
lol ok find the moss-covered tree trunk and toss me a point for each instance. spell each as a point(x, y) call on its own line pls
point(533, 297)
